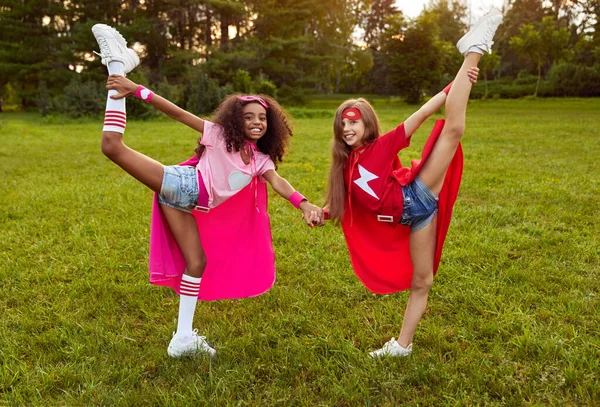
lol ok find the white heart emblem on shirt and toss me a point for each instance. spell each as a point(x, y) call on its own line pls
point(144, 94)
point(238, 180)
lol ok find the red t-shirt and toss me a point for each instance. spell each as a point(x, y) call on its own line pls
point(380, 251)
point(369, 174)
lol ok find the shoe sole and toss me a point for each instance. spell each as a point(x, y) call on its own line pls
point(475, 27)
point(197, 352)
point(193, 354)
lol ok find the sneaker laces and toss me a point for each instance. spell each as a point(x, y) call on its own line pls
point(104, 48)
point(198, 337)
point(489, 35)
point(387, 347)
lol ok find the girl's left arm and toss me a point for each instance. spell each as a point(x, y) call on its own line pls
point(125, 87)
point(417, 118)
point(433, 105)
point(312, 214)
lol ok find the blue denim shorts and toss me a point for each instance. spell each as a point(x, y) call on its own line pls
point(179, 188)
point(420, 205)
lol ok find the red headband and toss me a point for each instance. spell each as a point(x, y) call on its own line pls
point(352, 113)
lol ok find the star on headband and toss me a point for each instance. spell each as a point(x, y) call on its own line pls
point(352, 113)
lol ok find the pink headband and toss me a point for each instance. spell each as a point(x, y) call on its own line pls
point(352, 113)
point(257, 99)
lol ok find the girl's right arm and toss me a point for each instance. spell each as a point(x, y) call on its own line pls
point(125, 87)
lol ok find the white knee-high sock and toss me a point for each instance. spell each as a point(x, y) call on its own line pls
point(115, 118)
point(188, 297)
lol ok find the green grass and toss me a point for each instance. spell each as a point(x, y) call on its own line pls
point(514, 312)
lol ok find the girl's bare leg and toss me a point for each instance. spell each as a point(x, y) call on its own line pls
point(185, 231)
point(422, 250)
point(423, 242)
point(434, 170)
point(146, 170)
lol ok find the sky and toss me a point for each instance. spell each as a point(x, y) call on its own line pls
point(412, 8)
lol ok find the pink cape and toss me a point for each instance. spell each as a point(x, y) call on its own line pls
point(380, 252)
point(236, 238)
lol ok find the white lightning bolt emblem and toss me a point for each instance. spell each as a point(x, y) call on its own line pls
point(363, 181)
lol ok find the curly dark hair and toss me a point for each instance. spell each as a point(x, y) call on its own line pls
point(229, 116)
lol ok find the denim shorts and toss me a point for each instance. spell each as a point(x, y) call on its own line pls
point(420, 205)
point(179, 188)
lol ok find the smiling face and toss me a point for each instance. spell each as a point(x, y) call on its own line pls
point(255, 121)
point(353, 132)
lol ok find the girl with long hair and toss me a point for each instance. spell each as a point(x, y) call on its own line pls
point(394, 218)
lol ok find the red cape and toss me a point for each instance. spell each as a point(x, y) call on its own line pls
point(379, 251)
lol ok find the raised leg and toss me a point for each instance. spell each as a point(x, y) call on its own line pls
point(434, 170)
point(143, 168)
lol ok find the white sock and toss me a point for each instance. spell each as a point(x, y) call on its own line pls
point(188, 297)
point(476, 49)
point(115, 117)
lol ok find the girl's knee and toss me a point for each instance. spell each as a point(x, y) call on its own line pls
point(453, 131)
point(422, 282)
point(196, 267)
point(112, 143)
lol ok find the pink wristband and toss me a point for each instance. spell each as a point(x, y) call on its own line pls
point(144, 94)
point(447, 88)
point(296, 199)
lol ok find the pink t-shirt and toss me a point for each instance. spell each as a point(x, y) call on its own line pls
point(224, 173)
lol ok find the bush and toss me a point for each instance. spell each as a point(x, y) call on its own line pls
point(293, 96)
point(266, 87)
point(81, 98)
point(575, 80)
point(242, 82)
point(44, 104)
point(509, 88)
point(10, 99)
point(205, 95)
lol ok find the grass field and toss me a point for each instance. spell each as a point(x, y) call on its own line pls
point(513, 318)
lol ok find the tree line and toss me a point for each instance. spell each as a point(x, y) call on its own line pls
point(199, 50)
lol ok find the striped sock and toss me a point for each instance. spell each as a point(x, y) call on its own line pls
point(115, 118)
point(188, 297)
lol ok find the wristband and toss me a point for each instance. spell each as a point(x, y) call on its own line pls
point(296, 199)
point(447, 88)
point(144, 94)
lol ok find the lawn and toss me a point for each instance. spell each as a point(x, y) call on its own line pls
point(514, 312)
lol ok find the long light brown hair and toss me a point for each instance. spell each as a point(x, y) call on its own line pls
point(340, 151)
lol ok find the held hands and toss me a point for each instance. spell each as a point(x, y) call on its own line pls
point(122, 85)
point(312, 214)
point(473, 73)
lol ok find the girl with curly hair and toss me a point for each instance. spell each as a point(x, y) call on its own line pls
point(210, 222)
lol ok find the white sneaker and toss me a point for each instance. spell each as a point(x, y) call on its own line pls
point(481, 34)
point(113, 47)
point(391, 348)
point(196, 344)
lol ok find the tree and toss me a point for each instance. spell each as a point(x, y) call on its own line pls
point(488, 64)
point(541, 46)
point(415, 58)
point(519, 13)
